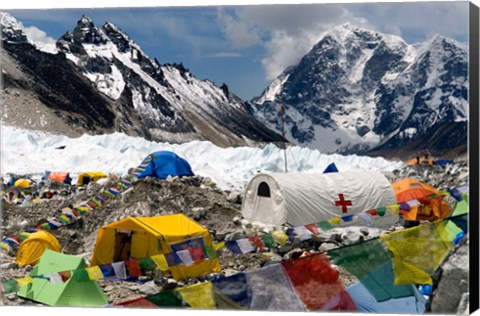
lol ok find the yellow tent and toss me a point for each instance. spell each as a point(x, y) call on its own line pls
point(139, 237)
point(32, 248)
point(86, 177)
point(22, 183)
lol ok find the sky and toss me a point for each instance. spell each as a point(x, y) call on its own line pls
point(246, 47)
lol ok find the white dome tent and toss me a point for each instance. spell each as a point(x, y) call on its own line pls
point(306, 198)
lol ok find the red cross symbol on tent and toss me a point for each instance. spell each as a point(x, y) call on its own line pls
point(343, 203)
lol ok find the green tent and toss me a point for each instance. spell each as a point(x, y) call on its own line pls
point(461, 208)
point(77, 290)
point(460, 214)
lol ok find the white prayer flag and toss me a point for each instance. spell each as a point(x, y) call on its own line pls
point(185, 257)
point(245, 245)
point(120, 271)
point(302, 233)
point(365, 218)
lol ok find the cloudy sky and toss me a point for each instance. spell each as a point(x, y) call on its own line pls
point(248, 46)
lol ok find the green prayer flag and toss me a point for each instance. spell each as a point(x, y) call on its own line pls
point(381, 211)
point(324, 225)
point(380, 283)
point(268, 240)
point(10, 286)
point(45, 226)
point(168, 298)
point(360, 259)
point(147, 263)
point(210, 252)
point(22, 236)
point(63, 221)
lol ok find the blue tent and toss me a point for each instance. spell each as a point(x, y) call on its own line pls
point(444, 162)
point(162, 164)
point(331, 168)
point(366, 302)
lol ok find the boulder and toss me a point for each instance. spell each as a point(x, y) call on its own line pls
point(126, 196)
point(228, 272)
point(239, 234)
point(464, 306)
point(23, 225)
point(453, 283)
point(198, 213)
point(351, 237)
point(237, 220)
point(8, 265)
point(149, 288)
point(327, 246)
point(234, 197)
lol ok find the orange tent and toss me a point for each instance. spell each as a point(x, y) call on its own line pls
point(422, 161)
point(432, 205)
point(63, 177)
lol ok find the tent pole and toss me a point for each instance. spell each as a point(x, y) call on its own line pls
point(282, 118)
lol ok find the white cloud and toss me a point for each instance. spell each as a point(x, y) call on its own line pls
point(37, 36)
point(240, 32)
point(287, 32)
point(225, 55)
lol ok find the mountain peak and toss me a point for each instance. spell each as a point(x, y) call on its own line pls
point(85, 21)
point(87, 32)
point(12, 30)
point(8, 20)
point(347, 32)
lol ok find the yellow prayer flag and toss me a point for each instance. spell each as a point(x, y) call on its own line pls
point(335, 220)
point(161, 262)
point(83, 208)
point(94, 273)
point(280, 237)
point(23, 281)
point(394, 209)
point(417, 252)
point(199, 295)
point(5, 246)
point(219, 246)
point(64, 217)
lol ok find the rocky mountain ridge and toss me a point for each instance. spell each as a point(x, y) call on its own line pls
point(100, 81)
point(360, 91)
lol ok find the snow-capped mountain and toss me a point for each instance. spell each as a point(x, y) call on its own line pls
point(360, 91)
point(99, 80)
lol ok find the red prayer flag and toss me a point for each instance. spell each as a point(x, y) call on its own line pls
point(313, 228)
point(315, 281)
point(257, 242)
point(341, 302)
point(197, 254)
point(133, 267)
point(138, 302)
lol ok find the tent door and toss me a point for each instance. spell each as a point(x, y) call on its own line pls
point(123, 246)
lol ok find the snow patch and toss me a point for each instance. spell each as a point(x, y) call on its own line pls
point(32, 152)
point(111, 85)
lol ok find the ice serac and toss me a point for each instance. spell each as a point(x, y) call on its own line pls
point(359, 91)
point(129, 91)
